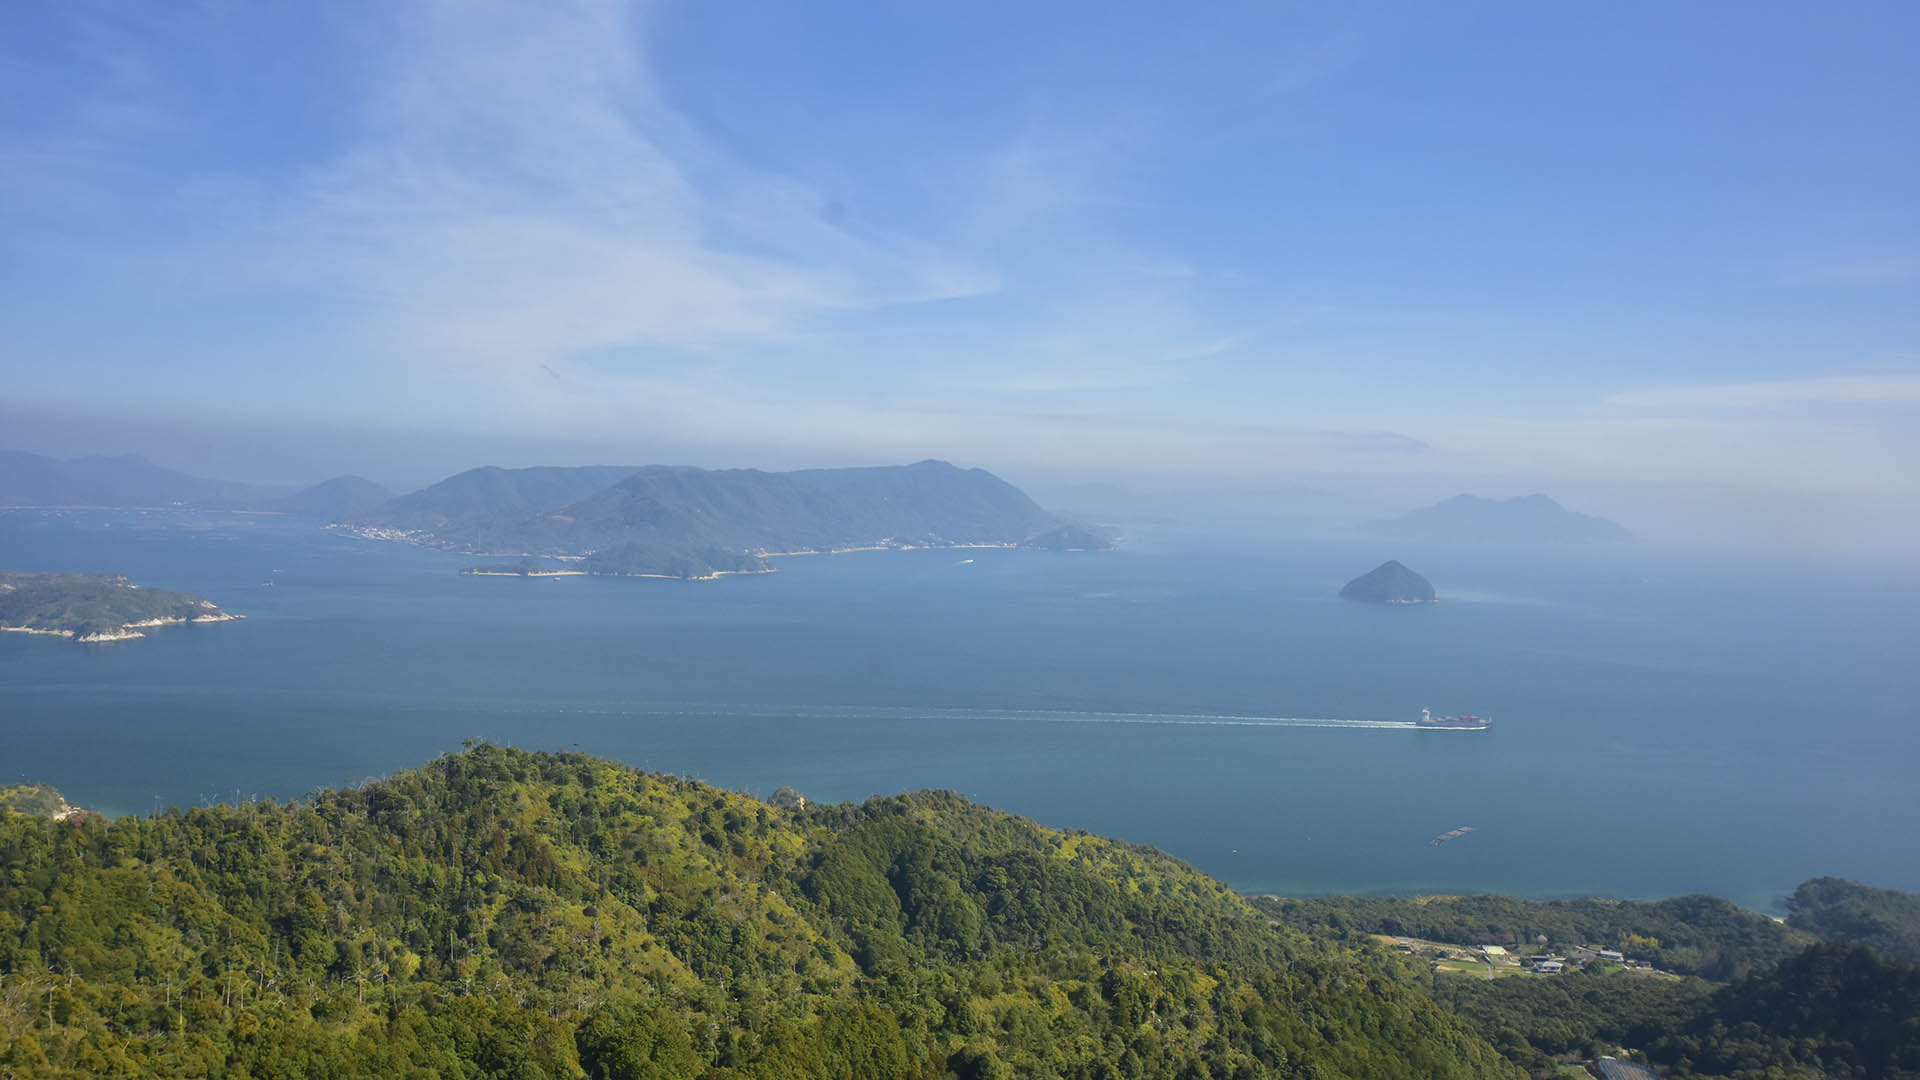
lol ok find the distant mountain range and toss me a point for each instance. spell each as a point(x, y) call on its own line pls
point(469, 503)
point(679, 521)
point(339, 499)
point(1529, 521)
point(124, 481)
point(130, 481)
point(672, 521)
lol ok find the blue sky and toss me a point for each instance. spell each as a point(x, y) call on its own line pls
point(1649, 257)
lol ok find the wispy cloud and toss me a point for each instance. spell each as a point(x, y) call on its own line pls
point(511, 188)
point(559, 205)
point(1041, 176)
point(1779, 393)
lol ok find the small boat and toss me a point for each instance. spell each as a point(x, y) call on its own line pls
point(1451, 834)
point(1464, 722)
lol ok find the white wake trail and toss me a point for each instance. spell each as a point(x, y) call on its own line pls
point(1063, 716)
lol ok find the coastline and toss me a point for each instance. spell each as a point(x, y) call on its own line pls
point(35, 630)
point(429, 541)
point(419, 540)
point(883, 547)
point(714, 576)
point(125, 632)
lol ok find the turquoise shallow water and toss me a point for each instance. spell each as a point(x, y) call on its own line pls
point(1665, 723)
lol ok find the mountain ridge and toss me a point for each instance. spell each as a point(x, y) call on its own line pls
point(335, 499)
point(124, 480)
point(504, 913)
point(1523, 521)
point(470, 499)
point(683, 521)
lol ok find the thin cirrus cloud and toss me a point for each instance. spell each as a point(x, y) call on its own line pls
point(1778, 393)
point(559, 206)
point(507, 189)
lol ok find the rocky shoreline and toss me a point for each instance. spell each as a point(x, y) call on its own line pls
point(126, 632)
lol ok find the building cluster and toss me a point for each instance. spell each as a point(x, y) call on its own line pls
point(1541, 963)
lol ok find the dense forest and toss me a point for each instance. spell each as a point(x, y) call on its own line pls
point(1692, 935)
point(1832, 1010)
point(1838, 910)
point(40, 800)
point(499, 913)
point(1773, 1003)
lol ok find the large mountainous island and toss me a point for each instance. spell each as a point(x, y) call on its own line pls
point(687, 522)
point(656, 521)
point(95, 607)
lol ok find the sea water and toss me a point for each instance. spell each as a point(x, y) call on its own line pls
point(1665, 723)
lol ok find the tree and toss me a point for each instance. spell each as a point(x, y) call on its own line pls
point(638, 1044)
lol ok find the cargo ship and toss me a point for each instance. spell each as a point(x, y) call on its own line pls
point(1466, 722)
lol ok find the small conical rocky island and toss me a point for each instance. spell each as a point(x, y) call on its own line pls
point(1389, 583)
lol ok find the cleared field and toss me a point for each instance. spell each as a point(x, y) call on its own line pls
point(1454, 959)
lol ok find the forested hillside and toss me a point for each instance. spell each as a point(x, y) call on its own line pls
point(1770, 1005)
point(473, 501)
point(508, 914)
point(89, 606)
point(1839, 910)
point(1693, 935)
point(1832, 1010)
point(39, 800)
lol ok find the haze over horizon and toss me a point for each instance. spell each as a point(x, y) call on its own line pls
point(1663, 264)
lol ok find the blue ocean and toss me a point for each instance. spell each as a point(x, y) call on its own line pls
point(1665, 723)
